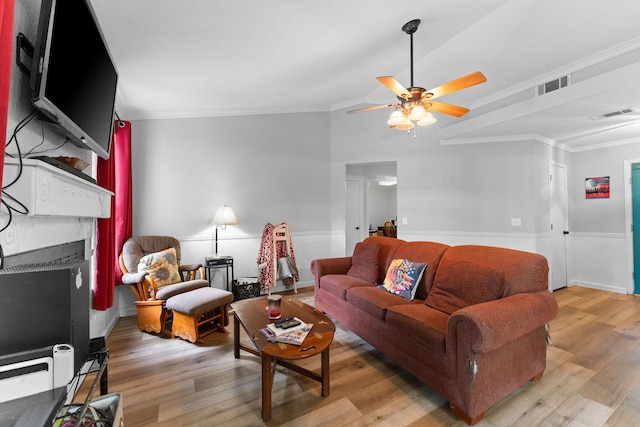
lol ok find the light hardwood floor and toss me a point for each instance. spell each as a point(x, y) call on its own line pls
point(592, 378)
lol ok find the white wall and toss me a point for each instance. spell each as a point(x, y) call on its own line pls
point(599, 239)
point(447, 189)
point(269, 168)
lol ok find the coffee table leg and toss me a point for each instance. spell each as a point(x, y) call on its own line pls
point(267, 385)
point(236, 336)
point(325, 372)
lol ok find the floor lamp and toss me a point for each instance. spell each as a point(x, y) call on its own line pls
point(224, 216)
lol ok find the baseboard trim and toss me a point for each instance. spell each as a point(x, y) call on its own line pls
point(599, 286)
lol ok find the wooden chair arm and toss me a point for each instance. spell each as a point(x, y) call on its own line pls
point(190, 271)
point(140, 283)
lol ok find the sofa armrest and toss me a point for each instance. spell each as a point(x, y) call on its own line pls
point(497, 322)
point(322, 267)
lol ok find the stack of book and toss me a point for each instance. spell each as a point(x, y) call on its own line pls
point(294, 335)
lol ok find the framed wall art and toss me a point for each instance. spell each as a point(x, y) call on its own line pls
point(597, 188)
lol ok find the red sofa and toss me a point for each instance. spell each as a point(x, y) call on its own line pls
point(475, 330)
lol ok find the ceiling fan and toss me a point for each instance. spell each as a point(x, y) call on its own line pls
point(416, 103)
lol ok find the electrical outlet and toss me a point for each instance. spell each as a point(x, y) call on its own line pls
point(516, 222)
point(405, 221)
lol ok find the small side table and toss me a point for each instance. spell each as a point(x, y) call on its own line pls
point(219, 261)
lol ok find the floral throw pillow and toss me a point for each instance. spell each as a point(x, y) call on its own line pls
point(403, 277)
point(161, 266)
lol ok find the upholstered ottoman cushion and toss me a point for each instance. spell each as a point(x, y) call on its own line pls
point(199, 301)
point(199, 312)
point(169, 291)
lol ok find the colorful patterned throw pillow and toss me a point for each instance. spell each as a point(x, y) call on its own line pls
point(161, 266)
point(403, 277)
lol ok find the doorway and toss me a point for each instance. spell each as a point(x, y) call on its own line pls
point(354, 211)
point(559, 229)
point(635, 208)
point(632, 217)
point(367, 194)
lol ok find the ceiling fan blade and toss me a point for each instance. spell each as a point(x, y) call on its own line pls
point(458, 84)
point(375, 107)
point(395, 86)
point(452, 110)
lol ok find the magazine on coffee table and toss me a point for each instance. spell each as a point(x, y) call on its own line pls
point(277, 330)
point(295, 335)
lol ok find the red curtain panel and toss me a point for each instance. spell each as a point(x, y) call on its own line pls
point(6, 48)
point(114, 175)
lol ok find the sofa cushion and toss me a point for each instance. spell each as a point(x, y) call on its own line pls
point(422, 323)
point(521, 271)
point(403, 277)
point(428, 252)
point(364, 261)
point(375, 301)
point(466, 284)
point(161, 266)
point(339, 284)
point(388, 246)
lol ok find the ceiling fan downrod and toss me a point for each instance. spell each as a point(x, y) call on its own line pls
point(410, 28)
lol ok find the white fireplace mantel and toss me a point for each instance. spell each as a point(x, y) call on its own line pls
point(47, 190)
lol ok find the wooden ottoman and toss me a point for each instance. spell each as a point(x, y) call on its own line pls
point(199, 312)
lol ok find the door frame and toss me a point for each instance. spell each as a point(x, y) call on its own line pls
point(363, 172)
point(628, 219)
point(565, 226)
point(362, 208)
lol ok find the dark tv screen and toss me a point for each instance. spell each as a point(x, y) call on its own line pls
point(73, 76)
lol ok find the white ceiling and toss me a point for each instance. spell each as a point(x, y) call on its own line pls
point(213, 58)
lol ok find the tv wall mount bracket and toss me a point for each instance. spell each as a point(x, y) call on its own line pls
point(24, 46)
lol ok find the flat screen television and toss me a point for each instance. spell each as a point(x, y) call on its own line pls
point(73, 76)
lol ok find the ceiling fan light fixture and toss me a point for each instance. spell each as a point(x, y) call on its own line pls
point(414, 103)
point(427, 120)
point(418, 113)
point(396, 118)
point(407, 125)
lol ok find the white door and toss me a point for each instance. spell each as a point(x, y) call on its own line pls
point(353, 215)
point(559, 225)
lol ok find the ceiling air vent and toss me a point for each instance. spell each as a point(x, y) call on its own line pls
point(613, 114)
point(553, 85)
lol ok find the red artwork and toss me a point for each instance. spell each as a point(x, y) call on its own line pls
point(597, 188)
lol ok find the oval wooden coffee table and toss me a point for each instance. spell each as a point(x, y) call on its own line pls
point(252, 315)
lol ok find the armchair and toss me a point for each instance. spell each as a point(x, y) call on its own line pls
point(152, 291)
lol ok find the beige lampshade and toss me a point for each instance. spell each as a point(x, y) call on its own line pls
point(224, 216)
